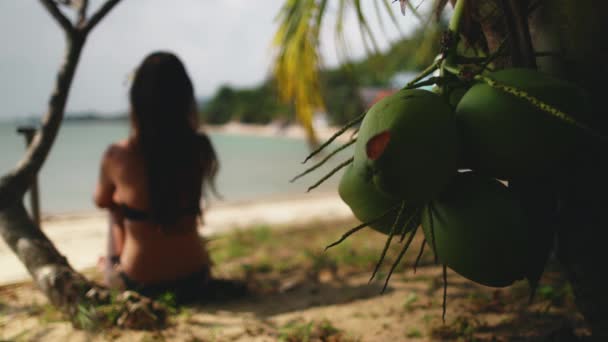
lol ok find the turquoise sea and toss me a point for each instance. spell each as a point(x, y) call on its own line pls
point(251, 167)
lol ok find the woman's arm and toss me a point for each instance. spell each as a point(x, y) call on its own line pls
point(104, 192)
point(104, 198)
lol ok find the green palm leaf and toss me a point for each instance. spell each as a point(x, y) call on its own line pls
point(297, 61)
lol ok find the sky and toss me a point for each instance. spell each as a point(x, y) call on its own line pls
point(220, 42)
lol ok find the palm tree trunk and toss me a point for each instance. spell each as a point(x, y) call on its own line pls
point(575, 33)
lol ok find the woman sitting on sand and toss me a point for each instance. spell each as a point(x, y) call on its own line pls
point(152, 184)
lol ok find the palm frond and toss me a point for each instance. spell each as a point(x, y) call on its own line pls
point(366, 32)
point(298, 61)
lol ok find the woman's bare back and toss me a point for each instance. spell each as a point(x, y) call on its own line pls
point(149, 254)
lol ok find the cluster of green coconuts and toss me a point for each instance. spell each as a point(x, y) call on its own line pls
point(452, 163)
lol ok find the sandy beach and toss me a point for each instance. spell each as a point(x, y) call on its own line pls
point(81, 237)
point(292, 131)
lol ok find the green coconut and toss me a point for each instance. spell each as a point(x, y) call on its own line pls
point(409, 142)
point(479, 230)
point(507, 137)
point(366, 201)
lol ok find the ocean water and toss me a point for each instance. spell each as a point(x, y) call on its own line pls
point(251, 167)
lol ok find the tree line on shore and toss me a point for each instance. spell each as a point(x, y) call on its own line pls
point(339, 86)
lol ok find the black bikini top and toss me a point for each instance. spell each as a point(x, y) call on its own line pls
point(140, 215)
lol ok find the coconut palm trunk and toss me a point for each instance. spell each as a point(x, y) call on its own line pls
point(569, 40)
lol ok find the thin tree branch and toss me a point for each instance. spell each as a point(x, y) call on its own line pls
point(82, 12)
point(14, 184)
point(63, 21)
point(101, 12)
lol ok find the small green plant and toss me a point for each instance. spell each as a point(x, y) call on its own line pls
point(186, 313)
point(427, 318)
point(48, 313)
point(236, 248)
point(295, 331)
point(327, 328)
point(409, 301)
point(361, 258)
point(264, 265)
point(85, 317)
point(555, 295)
point(298, 330)
point(460, 328)
point(169, 301)
point(240, 243)
point(414, 333)
point(261, 234)
point(153, 337)
point(3, 306)
point(320, 261)
point(547, 292)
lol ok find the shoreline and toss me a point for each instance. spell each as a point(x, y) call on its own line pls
point(215, 204)
point(275, 130)
point(81, 236)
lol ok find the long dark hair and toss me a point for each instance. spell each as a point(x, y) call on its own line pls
point(176, 155)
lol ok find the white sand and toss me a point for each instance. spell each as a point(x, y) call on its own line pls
point(275, 130)
point(82, 237)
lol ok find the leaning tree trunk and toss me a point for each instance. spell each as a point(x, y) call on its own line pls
point(64, 287)
point(574, 32)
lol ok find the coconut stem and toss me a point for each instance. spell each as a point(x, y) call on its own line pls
point(354, 133)
point(335, 136)
point(430, 81)
point(401, 254)
point(536, 102)
point(388, 241)
point(477, 60)
point(419, 255)
point(316, 166)
point(331, 173)
point(429, 70)
point(411, 221)
point(347, 234)
point(445, 291)
point(456, 19)
point(494, 55)
point(361, 226)
point(434, 245)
